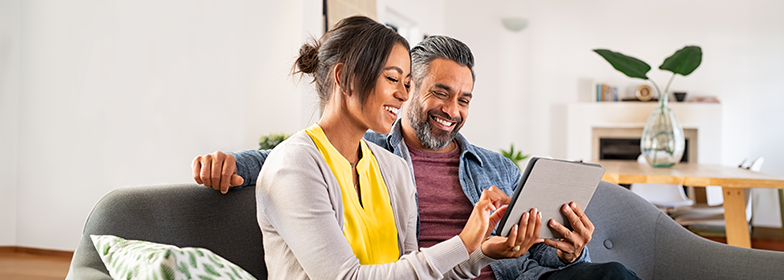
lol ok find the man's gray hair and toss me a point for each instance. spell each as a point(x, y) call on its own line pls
point(438, 46)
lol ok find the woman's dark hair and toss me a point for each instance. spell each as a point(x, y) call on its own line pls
point(361, 44)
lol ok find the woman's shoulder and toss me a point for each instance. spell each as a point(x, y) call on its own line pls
point(299, 145)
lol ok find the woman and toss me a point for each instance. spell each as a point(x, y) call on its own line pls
point(331, 205)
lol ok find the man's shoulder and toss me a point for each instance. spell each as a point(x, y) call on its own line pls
point(493, 158)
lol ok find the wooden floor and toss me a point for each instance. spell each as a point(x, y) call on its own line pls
point(27, 266)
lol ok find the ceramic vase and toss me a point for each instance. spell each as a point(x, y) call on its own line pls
point(662, 141)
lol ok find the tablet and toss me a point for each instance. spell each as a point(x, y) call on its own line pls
point(548, 184)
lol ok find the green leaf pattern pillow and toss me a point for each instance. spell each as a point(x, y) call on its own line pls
point(134, 259)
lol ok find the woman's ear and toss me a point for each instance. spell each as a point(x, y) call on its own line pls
point(338, 73)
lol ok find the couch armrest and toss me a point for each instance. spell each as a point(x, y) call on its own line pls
point(184, 215)
point(681, 254)
point(635, 233)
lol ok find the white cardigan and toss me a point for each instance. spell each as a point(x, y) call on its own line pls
point(300, 213)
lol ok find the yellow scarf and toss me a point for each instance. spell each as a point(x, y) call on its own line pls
point(370, 230)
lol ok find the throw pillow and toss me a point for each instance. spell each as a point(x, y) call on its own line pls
point(135, 259)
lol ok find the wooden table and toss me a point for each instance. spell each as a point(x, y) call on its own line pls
point(733, 181)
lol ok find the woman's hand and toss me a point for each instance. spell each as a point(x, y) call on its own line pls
point(571, 245)
point(216, 170)
point(522, 236)
point(482, 220)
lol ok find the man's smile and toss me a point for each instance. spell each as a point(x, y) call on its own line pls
point(444, 123)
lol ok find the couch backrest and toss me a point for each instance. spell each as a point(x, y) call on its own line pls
point(185, 215)
point(624, 228)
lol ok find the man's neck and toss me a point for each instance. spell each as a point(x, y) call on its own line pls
point(409, 135)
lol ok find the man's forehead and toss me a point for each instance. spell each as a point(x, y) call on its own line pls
point(450, 75)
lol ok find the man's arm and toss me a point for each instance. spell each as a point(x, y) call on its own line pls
point(249, 164)
point(238, 169)
point(223, 170)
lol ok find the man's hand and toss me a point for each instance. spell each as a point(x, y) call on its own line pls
point(571, 245)
point(216, 170)
point(522, 236)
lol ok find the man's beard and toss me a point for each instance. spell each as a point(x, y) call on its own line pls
point(420, 121)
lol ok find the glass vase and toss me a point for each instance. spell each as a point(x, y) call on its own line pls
point(662, 141)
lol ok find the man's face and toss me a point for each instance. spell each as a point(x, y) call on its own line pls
point(439, 106)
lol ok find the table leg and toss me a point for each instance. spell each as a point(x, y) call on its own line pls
point(781, 208)
point(735, 217)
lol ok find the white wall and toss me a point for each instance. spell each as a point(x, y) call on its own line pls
point(9, 117)
point(425, 17)
point(525, 79)
point(126, 93)
point(122, 93)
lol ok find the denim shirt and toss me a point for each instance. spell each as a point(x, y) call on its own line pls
point(479, 169)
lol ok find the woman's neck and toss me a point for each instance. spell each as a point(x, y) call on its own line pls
point(342, 133)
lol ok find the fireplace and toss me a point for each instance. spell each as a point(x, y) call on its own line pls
point(623, 143)
point(612, 130)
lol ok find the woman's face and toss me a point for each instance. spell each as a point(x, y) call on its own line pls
point(381, 109)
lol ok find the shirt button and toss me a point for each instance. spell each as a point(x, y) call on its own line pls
point(608, 244)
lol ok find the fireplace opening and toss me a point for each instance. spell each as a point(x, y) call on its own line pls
point(627, 149)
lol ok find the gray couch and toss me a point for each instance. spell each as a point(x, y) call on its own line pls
point(628, 230)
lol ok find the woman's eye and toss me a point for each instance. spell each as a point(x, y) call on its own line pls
point(392, 79)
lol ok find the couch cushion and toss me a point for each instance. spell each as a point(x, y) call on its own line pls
point(134, 259)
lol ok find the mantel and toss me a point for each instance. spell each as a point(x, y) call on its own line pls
point(582, 118)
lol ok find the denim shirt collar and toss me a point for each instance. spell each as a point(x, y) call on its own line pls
point(395, 140)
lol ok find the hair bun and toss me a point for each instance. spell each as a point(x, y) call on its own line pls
point(308, 60)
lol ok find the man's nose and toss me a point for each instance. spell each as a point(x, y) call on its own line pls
point(451, 108)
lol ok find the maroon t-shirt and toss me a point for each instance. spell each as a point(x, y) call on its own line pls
point(443, 206)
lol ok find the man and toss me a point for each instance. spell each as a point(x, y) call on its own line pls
point(449, 172)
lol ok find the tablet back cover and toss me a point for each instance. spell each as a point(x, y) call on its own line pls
point(551, 184)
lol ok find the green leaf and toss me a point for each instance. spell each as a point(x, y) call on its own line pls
point(683, 61)
point(628, 65)
point(209, 269)
point(192, 259)
point(182, 267)
point(168, 272)
point(514, 157)
point(268, 142)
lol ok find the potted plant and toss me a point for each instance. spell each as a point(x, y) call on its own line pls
point(514, 156)
point(268, 142)
point(662, 142)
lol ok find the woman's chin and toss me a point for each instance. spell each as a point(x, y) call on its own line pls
point(385, 129)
